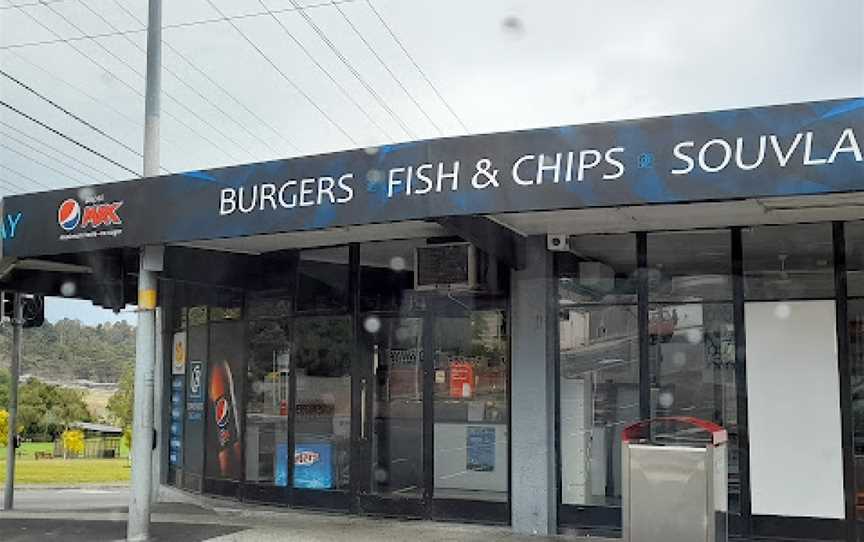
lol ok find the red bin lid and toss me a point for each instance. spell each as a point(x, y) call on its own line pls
point(637, 430)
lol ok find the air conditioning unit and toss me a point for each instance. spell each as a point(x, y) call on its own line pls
point(448, 266)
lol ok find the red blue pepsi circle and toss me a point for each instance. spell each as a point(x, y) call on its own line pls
point(69, 214)
point(222, 412)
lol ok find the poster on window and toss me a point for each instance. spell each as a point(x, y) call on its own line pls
point(175, 442)
point(280, 468)
point(480, 445)
point(313, 465)
point(178, 354)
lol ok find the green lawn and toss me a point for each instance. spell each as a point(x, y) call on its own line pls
point(64, 471)
point(69, 471)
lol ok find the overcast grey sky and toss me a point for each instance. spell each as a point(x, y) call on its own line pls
point(493, 65)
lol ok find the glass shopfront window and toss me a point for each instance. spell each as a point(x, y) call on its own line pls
point(599, 364)
point(323, 279)
point(322, 416)
point(691, 335)
point(471, 404)
point(792, 370)
point(268, 388)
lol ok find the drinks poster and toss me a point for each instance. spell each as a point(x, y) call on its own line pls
point(224, 378)
point(313, 465)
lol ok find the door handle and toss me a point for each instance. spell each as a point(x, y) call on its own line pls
point(363, 408)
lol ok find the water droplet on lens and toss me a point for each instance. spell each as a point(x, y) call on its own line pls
point(372, 324)
point(68, 289)
point(397, 263)
point(666, 399)
point(782, 311)
point(375, 176)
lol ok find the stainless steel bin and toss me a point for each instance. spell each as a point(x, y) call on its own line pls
point(674, 483)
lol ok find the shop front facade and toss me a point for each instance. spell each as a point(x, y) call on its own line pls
point(460, 329)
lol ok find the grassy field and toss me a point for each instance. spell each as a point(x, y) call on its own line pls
point(62, 472)
point(70, 472)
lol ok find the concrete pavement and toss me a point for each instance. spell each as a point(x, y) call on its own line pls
point(96, 514)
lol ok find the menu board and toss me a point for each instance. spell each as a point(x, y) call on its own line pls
point(448, 264)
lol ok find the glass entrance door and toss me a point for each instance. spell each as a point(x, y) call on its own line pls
point(433, 406)
point(391, 415)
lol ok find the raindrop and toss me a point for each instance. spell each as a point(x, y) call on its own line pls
point(513, 25)
point(86, 193)
point(375, 176)
point(679, 359)
point(666, 399)
point(397, 263)
point(782, 311)
point(372, 324)
point(68, 288)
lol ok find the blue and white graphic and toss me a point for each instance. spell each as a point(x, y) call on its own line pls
point(313, 466)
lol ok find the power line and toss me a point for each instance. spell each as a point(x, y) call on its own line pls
point(164, 93)
point(25, 177)
point(172, 26)
point(329, 75)
point(13, 185)
point(41, 163)
point(181, 79)
point(73, 115)
point(351, 68)
point(416, 65)
point(39, 3)
point(100, 102)
point(67, 138)
point(386, 67)
point(43, 153)
point(284, 75)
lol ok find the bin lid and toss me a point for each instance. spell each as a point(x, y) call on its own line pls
point(637, 430)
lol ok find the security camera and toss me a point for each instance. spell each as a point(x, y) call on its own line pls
point(557, 242)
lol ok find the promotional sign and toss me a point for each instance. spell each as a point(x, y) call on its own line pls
point(480, 446)
point(195, 395)
point(808, 148)
point(461, 380)
point(175, 434)
point(313, 465)
point(225, 371)
point(280, 470)
point(178, 354)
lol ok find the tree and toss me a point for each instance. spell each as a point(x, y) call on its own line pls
point(5, 379)
point(73, 442)
point(48, 409)
point(120, 404)
point(4, 428)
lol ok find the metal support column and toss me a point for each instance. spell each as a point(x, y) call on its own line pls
point(138, 526)
point(17, 323)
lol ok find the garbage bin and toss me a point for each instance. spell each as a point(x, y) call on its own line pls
point(674, 481)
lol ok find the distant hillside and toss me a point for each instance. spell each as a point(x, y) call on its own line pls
point(70, 350)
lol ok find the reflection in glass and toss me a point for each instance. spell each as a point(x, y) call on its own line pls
point(598, 269)
point(599, 394)
point(788, 262)
point(323, 275)
point(267, 402)
point(690, 266)
point(471, 406)
point(395, 349)
point(323, 406)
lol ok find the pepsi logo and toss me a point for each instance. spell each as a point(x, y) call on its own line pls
point(221, 412)
point(69, 214)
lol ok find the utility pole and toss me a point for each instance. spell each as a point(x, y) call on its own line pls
point(17, 324)
point(138, 525)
